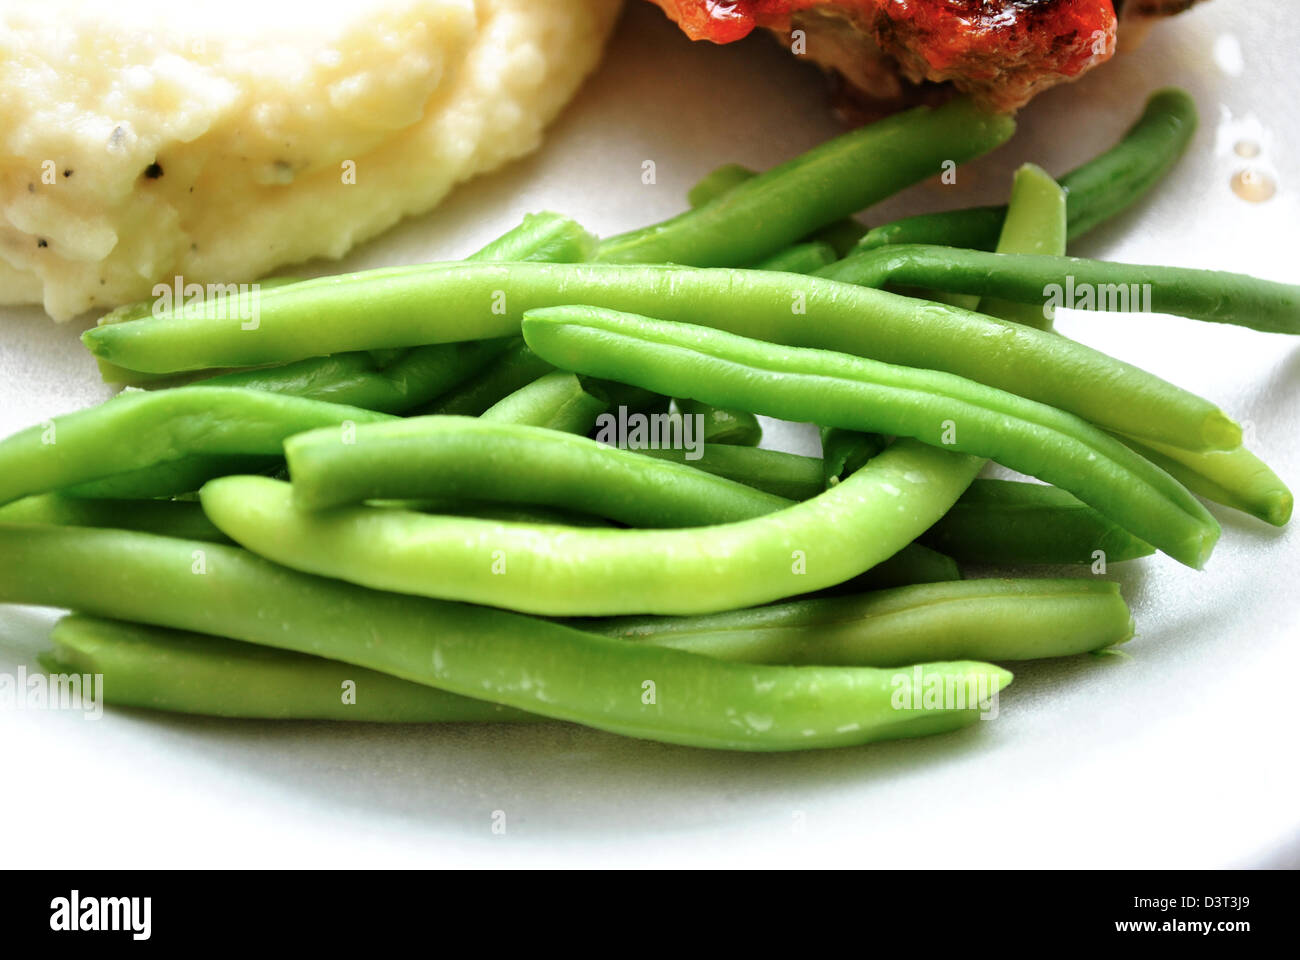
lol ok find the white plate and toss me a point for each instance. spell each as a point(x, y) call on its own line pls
point(1180, 754)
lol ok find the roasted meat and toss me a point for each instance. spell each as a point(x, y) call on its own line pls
point(1002, 52)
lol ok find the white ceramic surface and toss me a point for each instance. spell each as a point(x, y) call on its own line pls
point(1181, 753)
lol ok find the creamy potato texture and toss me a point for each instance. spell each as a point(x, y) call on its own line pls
point(136, 146)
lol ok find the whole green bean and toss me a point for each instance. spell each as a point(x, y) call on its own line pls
point(463, 457)
point(449, 302)
point(568, 572)
point(844, 391)
point(1095, 192)
point(988, 619)
point(1035, 224)
point(1009, 522)
point(558, 400)
point(544, 668)
point(1047, 282)
point(174, 518)
point(185, 672)
point(758, 217)
point(1234, 478)
point(138, 429)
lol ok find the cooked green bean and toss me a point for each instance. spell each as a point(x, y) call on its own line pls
point(1035, 224)
point(787, 475)
point(567, 572)
point(733, 427)
point(1212, 295)
point(544, 668)
point(558, 401)
point(185, 672)
point(1009, 522)
point(514, 369)
point(138, 430)
point(1234, 478)
point(1095, 192)
point(173, 518)
point(450, 302)
point(170, 479)
point(985, 619)
point(839, 390)
point(468, 458)
point(758, 217)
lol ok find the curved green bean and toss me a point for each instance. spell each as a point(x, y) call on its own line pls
point(569, 572)
point(185, 672)
point(984, 619)
point(1010, 522)
point(137, 430)
point(1212, 295)
point(758, 217)
point(1095, 192)
point(1234, 478)
point(467, 458)
point(450, 302)
point(544, 668)
point(844, 391)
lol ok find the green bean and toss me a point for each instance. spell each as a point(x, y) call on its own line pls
point(1035, 224)
point(558, 400)
point(175, 518)
point(845, 451)
point(1234, 478)
point(170, 479)
point(758, 217)
point(543, 237)
point(787, 475)
point(467, 458)
point(1009, 522)
point(985, 619)
point(544, 668)
point(1212, 295)
point(566, 572)
point(799, 258)
point(1095, 192)
point(185, 672)
point(138, 430)
point(738, 427)
point(843, 391)
point(450, 302)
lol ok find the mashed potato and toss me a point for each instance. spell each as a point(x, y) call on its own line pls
point(137, 144)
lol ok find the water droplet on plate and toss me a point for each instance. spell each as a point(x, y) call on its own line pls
point(1253, 186)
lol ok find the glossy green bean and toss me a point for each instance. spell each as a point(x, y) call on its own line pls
point(760, 216)
point(557, 400)
point(1212, 295)
point(1035, 224)
point(185, 672)
point(450, 302)
point(544, 668)
point(984, 619)
point(1234, 478)
point(468, 458)
point(1009, 522)
point(565, 572)
point(138, 430)
point(1100, 189)
point(173, 518)
point(845, 391)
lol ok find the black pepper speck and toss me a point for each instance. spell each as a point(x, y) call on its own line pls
point(42, 242)
point(153, 171)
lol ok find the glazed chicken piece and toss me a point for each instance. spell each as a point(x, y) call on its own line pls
point(1002, 52)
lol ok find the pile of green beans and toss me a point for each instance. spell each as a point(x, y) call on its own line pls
point(713, 594)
